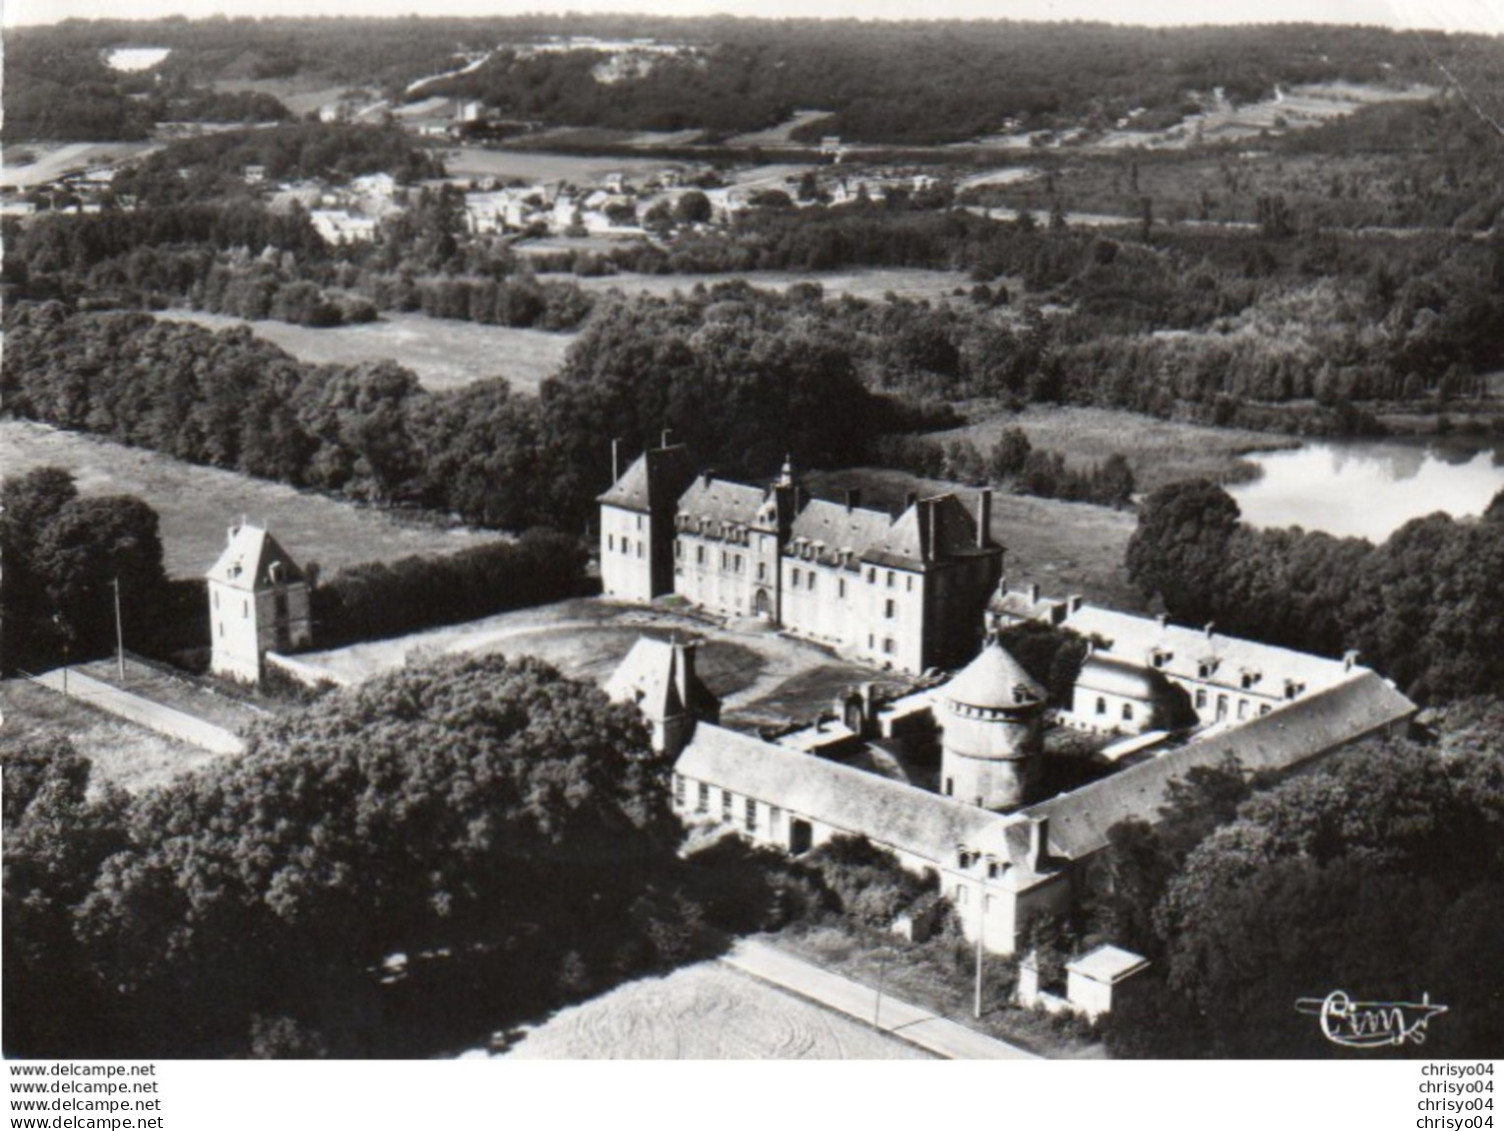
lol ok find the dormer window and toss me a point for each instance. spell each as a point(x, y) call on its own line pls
point(1250, 678)
point(1159, 658)
point(1206, 668)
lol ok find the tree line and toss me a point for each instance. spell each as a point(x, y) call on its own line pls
point(1425, 607)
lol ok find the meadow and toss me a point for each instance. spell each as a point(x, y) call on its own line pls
point(864, 283)
point(444, 353)
point(1158, 451)
point(198, 504)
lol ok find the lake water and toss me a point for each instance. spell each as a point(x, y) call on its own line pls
point(1370, 488)
point(135, 58)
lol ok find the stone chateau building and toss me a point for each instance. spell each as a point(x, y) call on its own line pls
point(904, 593)
point(259, 602)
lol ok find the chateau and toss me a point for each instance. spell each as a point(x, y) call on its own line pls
point(258, 602)
point(904, 593)
point(1001, 850)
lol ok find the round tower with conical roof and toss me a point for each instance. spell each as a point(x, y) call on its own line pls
point(990, 716)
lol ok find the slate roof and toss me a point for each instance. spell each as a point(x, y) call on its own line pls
point(994, 680)
point(721, 500)
point(836, 528)
point(654, 675)
point(1289, 735)
point(1135, 639)
point(1116, 676)
point(653, 481)
point(247, 561)
point(908, 542)
point(854, 801)
point(1108, 964)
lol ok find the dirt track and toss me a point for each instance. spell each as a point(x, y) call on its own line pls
point(706, 1012)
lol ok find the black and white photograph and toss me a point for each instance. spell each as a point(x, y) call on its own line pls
point(751, 532)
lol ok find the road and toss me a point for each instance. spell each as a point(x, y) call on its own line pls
point(917, 1026)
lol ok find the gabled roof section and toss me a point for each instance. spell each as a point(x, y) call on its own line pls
point(932, 529)
point(254, 560)
point(653, 482)
point(658, 676)
point(853, 801)
point(834, 527)
point(1283, 739)
point(721, 500)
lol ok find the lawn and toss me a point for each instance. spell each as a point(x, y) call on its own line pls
point(762, 677)
point(1159, 451)
point(444, 353)
point(123, 753)
point(1065, 547)
point(198, 504)
point(205, 699)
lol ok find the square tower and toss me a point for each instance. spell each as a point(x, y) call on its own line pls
point(258, 602)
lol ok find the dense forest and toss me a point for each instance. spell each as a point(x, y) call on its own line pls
point(1380, 868)
point(882, 82)
point(1426, 607)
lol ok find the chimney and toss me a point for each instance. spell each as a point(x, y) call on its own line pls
point(1163, 620)
point(853, 498)
point(984, 517)
point(1034, 593)
point(1349, 658)
point(615, 460)
point(1211, 624)
point(1074, 602)
point(801, 499)
point(1039, 842)
point(706, 476)
point(930, 529)
point(909, 499)
point(667, 438)
point(684, 671)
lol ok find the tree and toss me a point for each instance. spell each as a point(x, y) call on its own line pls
point(1180, 548)
point(692, 207)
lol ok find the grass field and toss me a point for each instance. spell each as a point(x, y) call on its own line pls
point(54, 159)
point(445, 354)
point(197, 504)
point(1065, 547)
point(761, 677)
point(906, 282)
point(1159, 451)
point(123, 753)
point(536, 167)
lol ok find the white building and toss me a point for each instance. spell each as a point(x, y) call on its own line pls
point(259, 601)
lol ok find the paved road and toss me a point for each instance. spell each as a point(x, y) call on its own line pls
point(918, 1026)
point(154, 716)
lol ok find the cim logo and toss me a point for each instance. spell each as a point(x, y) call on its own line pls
point(1370, 1024)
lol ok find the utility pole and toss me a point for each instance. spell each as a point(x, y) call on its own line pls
point(882, 973)
point(119, 633)
point(976, 1006)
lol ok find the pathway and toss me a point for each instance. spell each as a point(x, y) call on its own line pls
point(154, 716)
point(918, 1026)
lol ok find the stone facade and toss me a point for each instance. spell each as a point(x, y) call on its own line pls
point(259, 601)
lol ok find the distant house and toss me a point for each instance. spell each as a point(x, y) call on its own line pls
point(338, 226)
point(259, 601)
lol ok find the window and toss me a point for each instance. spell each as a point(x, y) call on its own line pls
point(841, 588)
point(889, 608)
point(751, 815)
point(1242, 708)
point(1160, 659)
point(812, 579)
point(909, 585)
point(775, 820)
point(639, 522)
point(699, 555)
point(961, 895)
point(994, 870)
point(794, 578)
point(725, 560)
point(889, 647)
point(221, 630)
point(216, 598)
point(1200, 698)
point(738, 563)
point(702, 804)
point(639, 549)
point(679, 790)
point(1205, 668)
point(245, 609)
point(950, 787)
point(1101, 705)
point(890, 579)
point(727, 800)
point(762, 571)
point(1127, 712)
point(1264, 709)
point(871, 641)
point(611, 543)
point(679, 549)
point(1221, 707)
point(871, 576)
point(1249, 679)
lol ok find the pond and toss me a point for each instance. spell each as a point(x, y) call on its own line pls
point(1370, 488)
